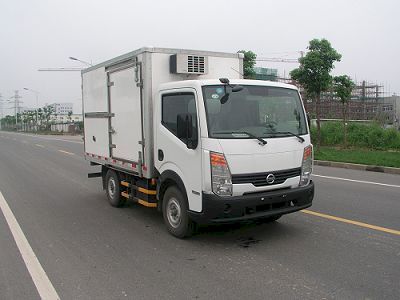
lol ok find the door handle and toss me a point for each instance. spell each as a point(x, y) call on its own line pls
point(160, 155)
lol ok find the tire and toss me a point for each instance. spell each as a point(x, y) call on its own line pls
point(113, 190)
point(175, 213)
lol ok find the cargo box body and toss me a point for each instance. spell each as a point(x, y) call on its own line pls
point(118, 100)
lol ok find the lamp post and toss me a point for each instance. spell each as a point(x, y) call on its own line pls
point(37, 105)
point(82, 61)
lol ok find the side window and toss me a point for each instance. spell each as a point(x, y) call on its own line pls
point(175, 104)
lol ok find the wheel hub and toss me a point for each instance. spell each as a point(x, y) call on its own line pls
point(111, 187)
point(174, 212)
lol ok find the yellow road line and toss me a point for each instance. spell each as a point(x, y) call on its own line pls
point(66, 152)
point(41, 146)
point(361, 224)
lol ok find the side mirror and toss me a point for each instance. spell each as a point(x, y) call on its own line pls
point(185, 130)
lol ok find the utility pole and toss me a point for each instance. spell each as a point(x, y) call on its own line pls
point(1, 112)
point(17, 108)
point(37, 105)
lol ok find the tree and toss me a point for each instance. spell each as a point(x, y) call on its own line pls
point(47, 112)
point(8, 122)
point(31, 118)
point(343, 86)
point(314, 73)
point(40, 118)
point(69, 116)
point(248, 64)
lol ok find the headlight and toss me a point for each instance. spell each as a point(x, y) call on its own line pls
point(220, 175)
point(306, 167)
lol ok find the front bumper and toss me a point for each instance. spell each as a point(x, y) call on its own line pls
point(218, 209)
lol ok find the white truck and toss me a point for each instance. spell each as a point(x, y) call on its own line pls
point(181, 131)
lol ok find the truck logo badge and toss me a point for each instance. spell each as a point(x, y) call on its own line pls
point(270, 178)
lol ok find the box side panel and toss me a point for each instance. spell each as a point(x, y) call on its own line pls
point(96, 137)
point(94, 93)
point(126, 123)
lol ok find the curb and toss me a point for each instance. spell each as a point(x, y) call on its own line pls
point(380, 169)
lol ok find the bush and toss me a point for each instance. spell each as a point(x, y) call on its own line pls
point(370, 136)
point(332, 133)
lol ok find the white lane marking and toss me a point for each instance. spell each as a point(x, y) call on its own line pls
point(41, 146)
point(56, 139)
point(358, 181)
point(43, 284)
point(66, 152)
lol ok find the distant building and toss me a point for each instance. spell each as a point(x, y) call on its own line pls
point(26, 109)
point(62, 119)
point(266, 73)
point(396, 102)
point(62, 108)
point(367, 104)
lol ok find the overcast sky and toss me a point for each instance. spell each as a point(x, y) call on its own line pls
point(39, 34)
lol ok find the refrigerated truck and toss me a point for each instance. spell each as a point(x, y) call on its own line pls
point(181, 131)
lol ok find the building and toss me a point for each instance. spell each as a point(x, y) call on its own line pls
point(396, 102)
point(266, 73)
point(63, 119)
point(367, 103)
point(62, 108)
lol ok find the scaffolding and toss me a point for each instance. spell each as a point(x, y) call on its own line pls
point(368, 102)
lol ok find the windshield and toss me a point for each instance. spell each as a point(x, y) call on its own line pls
point(260, 111)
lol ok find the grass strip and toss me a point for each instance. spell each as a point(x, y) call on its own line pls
point(359, 156)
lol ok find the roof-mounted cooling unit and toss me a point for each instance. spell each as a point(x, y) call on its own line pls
point(188, 64)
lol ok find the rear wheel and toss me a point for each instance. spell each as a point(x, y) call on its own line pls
point(175, 213)
point(113, 190)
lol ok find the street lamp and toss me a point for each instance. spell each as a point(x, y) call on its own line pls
point(37, 105)
point(82, 61)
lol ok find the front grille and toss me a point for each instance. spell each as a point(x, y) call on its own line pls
point(260, 179)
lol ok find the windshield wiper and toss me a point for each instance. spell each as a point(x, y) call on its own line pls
point(260, 140)
point(301, 140)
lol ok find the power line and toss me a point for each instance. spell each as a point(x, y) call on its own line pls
point(60, 69)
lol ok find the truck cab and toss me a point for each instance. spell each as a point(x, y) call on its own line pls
point(240, 149)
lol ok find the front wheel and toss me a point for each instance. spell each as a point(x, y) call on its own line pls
point(175, 213)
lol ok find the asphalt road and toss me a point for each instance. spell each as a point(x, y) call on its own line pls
point(90, 250)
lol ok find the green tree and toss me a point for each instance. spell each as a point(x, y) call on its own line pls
point(31, 118)
point(47, 112)
point(40, 118)
point(248, 64)
point(314, 73)
point(343, 86)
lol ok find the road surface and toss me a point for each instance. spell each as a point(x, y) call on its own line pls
point(346, 246)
